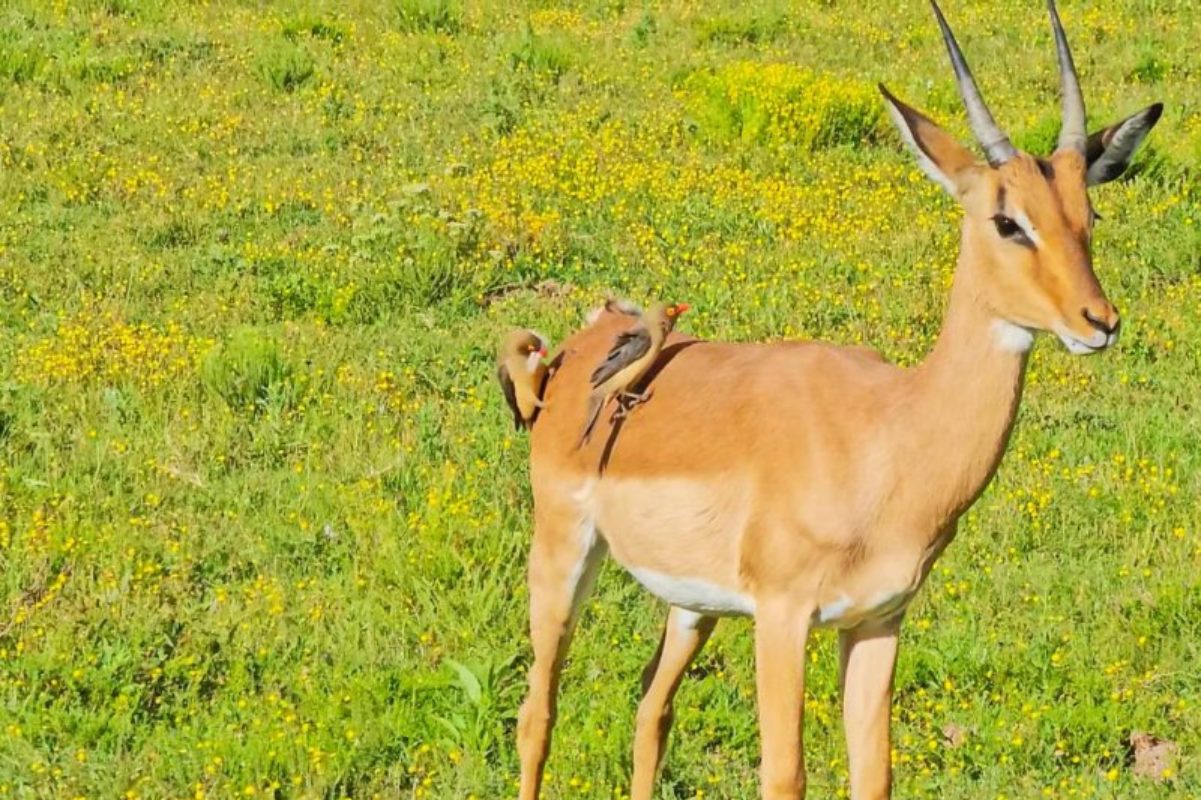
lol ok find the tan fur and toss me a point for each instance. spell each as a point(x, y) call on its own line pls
point(803, 483)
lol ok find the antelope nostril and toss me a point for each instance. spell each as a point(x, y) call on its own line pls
point(1100, 324)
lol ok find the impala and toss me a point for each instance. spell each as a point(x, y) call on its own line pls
point(807, 484)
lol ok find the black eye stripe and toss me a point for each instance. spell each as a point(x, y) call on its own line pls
point(1008, 228)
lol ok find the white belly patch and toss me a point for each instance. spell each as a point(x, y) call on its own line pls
point(695, 594)
point(845, 612)
point(834, 610)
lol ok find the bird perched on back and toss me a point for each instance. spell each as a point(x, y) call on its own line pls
point(633, 353)
point(521, 372)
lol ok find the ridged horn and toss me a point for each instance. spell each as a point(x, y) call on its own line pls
point(1072, 133)
point(997, 147)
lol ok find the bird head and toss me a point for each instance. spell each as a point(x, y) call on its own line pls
point(672, 313)
point(525, 344)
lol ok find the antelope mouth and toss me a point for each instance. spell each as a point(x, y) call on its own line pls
point(1085, 346)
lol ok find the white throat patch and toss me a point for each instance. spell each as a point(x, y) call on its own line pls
point(1012, 338)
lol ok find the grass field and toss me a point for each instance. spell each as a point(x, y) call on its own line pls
point(263, 517)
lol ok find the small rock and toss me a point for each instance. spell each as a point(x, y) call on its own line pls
point(1151, 756)
point(953, 735)
point(553, 288)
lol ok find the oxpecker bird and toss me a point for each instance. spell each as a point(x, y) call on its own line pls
point(521, 372)
point(633, 353)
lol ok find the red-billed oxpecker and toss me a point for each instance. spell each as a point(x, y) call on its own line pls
point(633, 353)
point(521, 372)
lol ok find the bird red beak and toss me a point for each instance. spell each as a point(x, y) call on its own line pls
point(542, 352)
point(682, 307)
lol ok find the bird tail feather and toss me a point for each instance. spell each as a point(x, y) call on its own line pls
point(594, 408)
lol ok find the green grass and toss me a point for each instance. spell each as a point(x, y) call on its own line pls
point(263, 518)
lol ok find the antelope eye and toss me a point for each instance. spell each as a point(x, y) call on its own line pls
point(1006, 227)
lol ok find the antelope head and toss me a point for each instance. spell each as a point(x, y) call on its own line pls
point(1028, 222)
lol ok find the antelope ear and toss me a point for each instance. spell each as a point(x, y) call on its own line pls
point(946, 161)
point(1109, 150)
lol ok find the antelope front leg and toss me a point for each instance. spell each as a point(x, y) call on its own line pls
point(781, 630)
point(868, 660)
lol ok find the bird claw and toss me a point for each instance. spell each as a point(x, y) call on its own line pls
point(626, 401)
point(634, 398)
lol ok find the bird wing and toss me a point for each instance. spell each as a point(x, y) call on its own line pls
point(629, 346)
point(506, 385)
